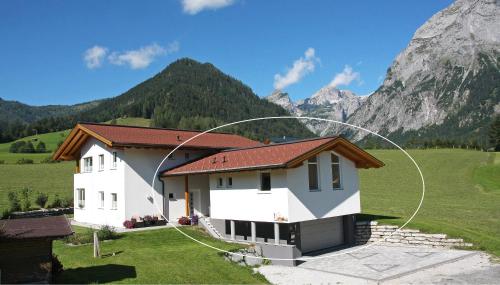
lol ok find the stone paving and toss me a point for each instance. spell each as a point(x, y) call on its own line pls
point(389, 264)
point(381, 262)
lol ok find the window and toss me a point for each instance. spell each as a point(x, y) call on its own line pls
point(186, 156)
point(312, 166)
point(171, 157)
point(220, 182)
point(87, 164)
point(100, 195)
point(115, 159)
point(80, 192)
point(335, 171)
point(101, 162)
point(265, 181)
point(229, 182)
point(114, 200)
point(170, 195)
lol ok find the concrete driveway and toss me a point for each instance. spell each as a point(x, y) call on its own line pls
point(390, 264)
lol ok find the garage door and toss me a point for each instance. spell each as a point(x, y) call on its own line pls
point(320, 234)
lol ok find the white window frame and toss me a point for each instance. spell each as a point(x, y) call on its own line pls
point(260, 181)
point(80, 197)
point(340, 170)
point(101, 162)
point(114, 159)
point(87, 167)
point(114, 201)
point(100, 197)
point(318, 181)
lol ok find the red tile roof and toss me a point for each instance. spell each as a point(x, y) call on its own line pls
point(44, 227)
point(127, 135)
point(269, 156)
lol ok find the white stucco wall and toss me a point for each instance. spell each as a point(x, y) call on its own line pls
point(108, 180)
point(131, 181)
point(289, 197)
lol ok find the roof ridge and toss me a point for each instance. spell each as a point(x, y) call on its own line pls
point(155, 128)
point(282, 143)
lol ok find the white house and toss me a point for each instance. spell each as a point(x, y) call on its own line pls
point(297, 197)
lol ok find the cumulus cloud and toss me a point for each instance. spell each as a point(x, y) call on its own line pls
point(94, 56)
point(345, 77)
point(301, 67)
point(142, 57)
point(193, 7)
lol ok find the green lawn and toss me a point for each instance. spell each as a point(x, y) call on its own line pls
point(53, 178)
point(157, 256)
point(460, 198)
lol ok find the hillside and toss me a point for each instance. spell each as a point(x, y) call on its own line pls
point(186, 94)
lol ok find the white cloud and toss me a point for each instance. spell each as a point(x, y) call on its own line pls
point(345, 77)
point(301, 67)
point(94, 56)
point(142, 57)
point(193, 7)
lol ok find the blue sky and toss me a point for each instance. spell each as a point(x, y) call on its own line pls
point(297, 45)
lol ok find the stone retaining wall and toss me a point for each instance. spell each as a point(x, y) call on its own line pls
point(367, 232)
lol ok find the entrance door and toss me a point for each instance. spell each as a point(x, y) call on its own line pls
point(194, 202)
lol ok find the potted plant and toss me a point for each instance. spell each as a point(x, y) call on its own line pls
point(194, 220)
point(184, 221)
point(148, 220)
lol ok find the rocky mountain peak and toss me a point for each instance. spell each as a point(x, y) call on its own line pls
point(282, 99)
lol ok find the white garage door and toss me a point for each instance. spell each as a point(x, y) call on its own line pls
point(320, 234)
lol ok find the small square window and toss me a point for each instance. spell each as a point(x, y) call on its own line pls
point(229, 182)
point(220, 182)
point(170, 195)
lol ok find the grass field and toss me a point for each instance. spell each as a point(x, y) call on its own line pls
point(157, 256)
point(462, 196)
point(131, 121)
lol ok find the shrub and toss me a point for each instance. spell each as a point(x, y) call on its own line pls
point(16, 146)
point(107, 232)
point(184, 221)
point(56, 203)
point(27, 148)
point(41, 199)
point(194, 220)
point(25, 161)
point(49, 159)
point(67, 202)
point(148, 220)
point(40, 147)
point(5, 214)
point(14, 203)
point(129, 224)
point(26, 198)
point(155, 220)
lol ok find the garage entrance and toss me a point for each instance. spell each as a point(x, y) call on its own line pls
point(321, 234)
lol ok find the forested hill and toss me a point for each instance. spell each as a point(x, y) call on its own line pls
point(187, 94)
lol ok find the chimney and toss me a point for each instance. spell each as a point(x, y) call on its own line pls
point(267, 141)
point(178, 138)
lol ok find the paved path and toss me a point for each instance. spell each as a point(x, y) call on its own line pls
point(390, 265)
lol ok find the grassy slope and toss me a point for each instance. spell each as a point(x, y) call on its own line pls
point(130, 121)
point(158, 256)
point(50, 139)
point(54, 178)
point(454, 204)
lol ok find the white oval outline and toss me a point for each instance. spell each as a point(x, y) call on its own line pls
point(306, 257)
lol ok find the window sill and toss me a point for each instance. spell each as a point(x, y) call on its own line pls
point(314, 190)
point(264, 192)
point(338, 189)
point(114, 209)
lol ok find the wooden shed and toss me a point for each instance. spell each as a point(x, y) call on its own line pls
point(26, 248)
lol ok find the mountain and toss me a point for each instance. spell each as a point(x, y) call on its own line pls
point(445, 84)
point(327, 103)
point(186, 94)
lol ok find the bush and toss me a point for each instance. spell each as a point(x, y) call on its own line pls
point(67, 202)
point(16, 146)
point(40, 147)
point(56, 203)
point(129, 224)
point(49, 159)
point(107, 232)
point(26, 198)
point(14, 203)
point(148, 220)
point(25, 161)
point(41, 199)
point(184, 221)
